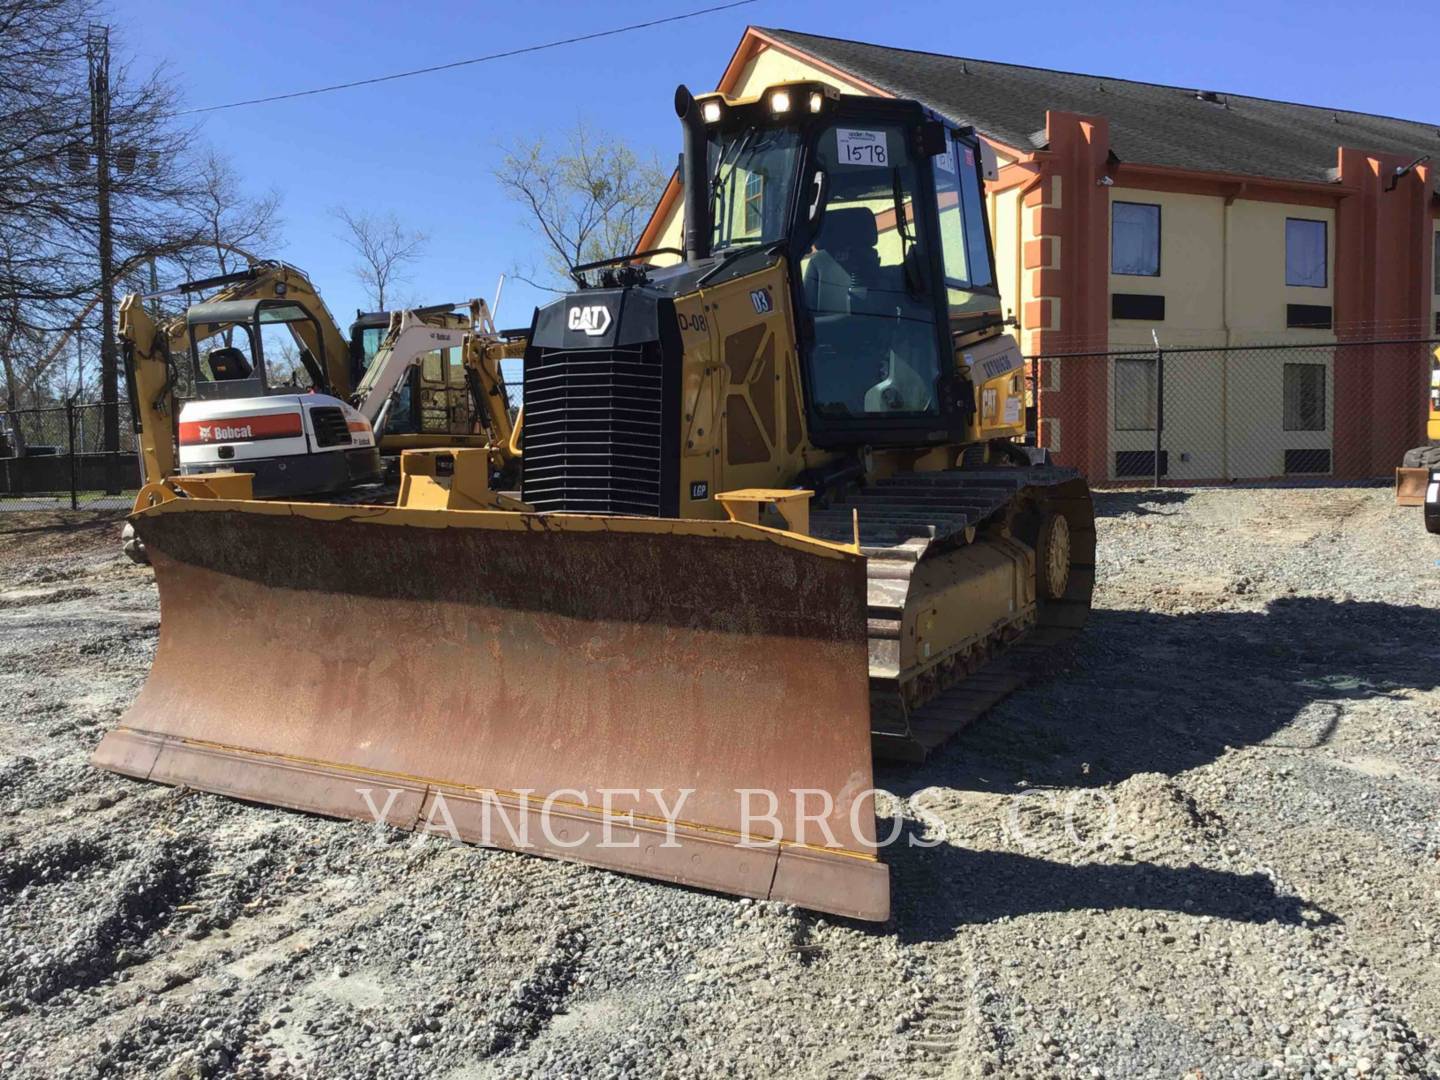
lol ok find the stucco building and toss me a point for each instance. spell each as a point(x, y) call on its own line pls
point(1123, 212)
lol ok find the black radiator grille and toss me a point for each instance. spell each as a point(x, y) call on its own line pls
point(594, 431)
point(330, 426)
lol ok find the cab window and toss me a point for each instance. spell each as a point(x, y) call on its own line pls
point(875, 349)
point(226, 353)
point(370, 339)
point(962, 218)
point(754, 171)
point(284, 349)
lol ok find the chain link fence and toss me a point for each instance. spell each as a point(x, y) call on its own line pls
point(54, 458)
point(1320, 411)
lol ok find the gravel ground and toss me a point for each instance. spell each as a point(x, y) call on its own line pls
point(1204, 844)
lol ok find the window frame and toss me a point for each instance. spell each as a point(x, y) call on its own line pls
point(963, 240)
point(1159, 238)
point(1324, 250)
point(1435, 266)
point(753, 202)
point(1324, 396)
point(974, 213)
point(971, 212)
point(1152, 376)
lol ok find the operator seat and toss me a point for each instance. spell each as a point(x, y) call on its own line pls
point(845, 258)
point(837, 282)
point(228, 364)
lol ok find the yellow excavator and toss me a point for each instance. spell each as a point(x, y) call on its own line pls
point(775, 513)
point(1417, 480)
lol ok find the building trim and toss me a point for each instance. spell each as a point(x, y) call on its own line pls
point(1228, 185)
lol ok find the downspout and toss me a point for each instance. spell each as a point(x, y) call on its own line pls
point(1039, 371)
point(1225, 285)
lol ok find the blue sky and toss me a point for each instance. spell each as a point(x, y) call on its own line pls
point(424, 147)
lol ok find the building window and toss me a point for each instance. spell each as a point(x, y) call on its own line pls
point(1135, 239)
point(1309, 316)
point(1305, 253)
point(1134, 398)
point(1304, 397)
point(754, 203)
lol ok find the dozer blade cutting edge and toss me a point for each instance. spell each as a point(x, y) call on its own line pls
point(525, 681)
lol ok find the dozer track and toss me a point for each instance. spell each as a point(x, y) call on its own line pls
point(941, 526)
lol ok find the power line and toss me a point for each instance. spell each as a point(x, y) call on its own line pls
point(466, 63)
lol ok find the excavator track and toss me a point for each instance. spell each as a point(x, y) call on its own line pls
point(908, 524)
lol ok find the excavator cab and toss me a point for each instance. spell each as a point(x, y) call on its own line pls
point(268, 347)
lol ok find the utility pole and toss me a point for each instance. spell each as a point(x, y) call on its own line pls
point(97, 51)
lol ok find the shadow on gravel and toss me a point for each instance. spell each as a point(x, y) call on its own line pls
point(1147, 502)
point(58, 521)
point(936, 890)
point(1151, 692)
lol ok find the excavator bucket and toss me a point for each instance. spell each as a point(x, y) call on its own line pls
point(682, 700)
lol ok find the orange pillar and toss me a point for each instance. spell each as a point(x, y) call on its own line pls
point(1069, 264)
point(1382, 283)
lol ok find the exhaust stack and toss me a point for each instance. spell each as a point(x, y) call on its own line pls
point(695, 177)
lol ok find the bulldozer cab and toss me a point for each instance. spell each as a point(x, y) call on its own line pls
point(878, 204)
point(252, 348)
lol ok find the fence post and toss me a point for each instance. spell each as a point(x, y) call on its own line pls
point(74, 467)
point(1159, 407)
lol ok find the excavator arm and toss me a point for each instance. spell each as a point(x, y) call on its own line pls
point(484, 349)
point(146, 348)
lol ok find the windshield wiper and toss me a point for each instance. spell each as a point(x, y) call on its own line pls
point(731, 154)
point(731, 256)
point(914, 282)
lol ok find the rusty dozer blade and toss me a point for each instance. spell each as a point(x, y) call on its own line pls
point(682, 700)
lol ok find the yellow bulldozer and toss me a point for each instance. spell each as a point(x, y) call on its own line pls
point(775, 513)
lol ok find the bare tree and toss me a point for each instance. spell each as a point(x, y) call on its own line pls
point(227, 218)
point(57, 156)
point(49, 221)
point(589, 201)
point(386, 249)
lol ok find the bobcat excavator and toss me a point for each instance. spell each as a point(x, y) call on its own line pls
point(775, 514)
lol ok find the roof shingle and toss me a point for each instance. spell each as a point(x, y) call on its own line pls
point(1149, 123)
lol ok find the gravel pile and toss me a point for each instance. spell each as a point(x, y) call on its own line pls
point(1206, 843)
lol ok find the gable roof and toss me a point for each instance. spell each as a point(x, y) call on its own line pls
point(1150, 123)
